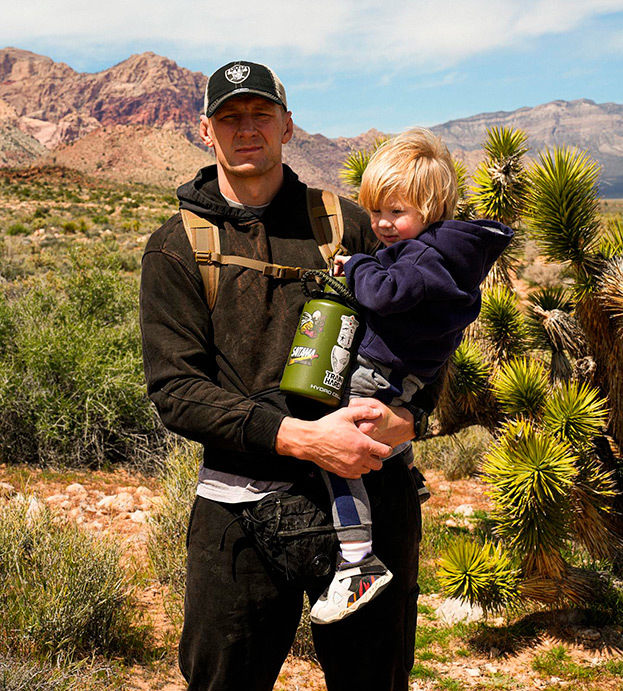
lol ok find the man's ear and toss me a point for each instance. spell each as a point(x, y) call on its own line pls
point(289, 128)
point(204, 131)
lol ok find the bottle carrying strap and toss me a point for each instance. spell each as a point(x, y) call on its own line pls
point(337, 286)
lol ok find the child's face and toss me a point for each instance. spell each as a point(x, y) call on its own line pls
point(394, 220)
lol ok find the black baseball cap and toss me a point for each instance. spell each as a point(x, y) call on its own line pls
point(240, 78)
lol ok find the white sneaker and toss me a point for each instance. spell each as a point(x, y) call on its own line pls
point(352, 586)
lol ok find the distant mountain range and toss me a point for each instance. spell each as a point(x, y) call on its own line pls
point(138, 121)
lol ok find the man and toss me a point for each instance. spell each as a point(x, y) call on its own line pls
point(214, 375)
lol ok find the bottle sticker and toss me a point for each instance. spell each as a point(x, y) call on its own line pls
point(333, 380)
point(302, 355)
point(312, 324)
point(347, 330)
point(339, 358)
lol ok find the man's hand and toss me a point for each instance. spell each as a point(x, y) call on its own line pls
point(334, 442)
point(338, 264)
point(390, 425)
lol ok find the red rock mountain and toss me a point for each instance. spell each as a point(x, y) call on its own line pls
point(43, 102)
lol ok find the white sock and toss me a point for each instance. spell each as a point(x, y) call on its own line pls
point(355, 551)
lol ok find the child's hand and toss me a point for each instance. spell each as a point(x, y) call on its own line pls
point(338, 264)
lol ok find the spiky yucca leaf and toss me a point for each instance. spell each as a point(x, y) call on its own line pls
point(500, 181)
point(505, 142)
point(563, 204)
point(461, 177)
point(591, 500)
point(574, 585)
point(464, 208)
point(611, 243)
point(610, 292)
point(470, 375)
point(502, 322)
point(575, 413)
point(529, 473)
point(479, 574)
point(521, 387)
point(552, 298)
point(356, 163)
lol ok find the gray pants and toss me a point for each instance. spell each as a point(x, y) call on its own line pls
point(349, 499)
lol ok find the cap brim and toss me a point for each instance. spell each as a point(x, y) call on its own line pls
point(241, 92)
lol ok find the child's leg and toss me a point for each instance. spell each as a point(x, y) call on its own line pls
point(351, 513)
point(360, 575)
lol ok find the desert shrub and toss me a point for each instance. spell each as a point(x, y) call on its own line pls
point(458, 455)
point(544, 275)
point(17, 675)
point(41, 212)
point(71, 377)
point(62, 590)
point(167, 536)
point(17, 229)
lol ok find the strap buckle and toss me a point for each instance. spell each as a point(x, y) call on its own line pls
point(203, 256)
point(282, 272)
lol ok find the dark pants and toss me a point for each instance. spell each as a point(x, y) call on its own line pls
point(240, 620)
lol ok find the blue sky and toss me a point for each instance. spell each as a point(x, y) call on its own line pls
point(350, 65)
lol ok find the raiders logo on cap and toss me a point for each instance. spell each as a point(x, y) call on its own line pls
point(237, 73)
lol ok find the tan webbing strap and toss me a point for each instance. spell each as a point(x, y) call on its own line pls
point(205, 241)
point(204, 238)
point(325, 214)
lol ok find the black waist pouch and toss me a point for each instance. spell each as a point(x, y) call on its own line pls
point(293, 535)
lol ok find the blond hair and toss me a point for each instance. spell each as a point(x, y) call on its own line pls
point(416, 168)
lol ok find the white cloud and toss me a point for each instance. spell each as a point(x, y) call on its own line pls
point(348, 35)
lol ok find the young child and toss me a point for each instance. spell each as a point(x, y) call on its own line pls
point(419, 294)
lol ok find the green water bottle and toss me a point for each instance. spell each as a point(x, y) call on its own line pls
point(325, 342)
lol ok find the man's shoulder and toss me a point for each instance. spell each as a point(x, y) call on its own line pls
point(168, 234)
point(171, 239)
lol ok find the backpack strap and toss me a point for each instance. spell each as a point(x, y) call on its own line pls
point(204, 239)
point(325, 215)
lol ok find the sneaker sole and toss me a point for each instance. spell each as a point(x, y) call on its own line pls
point(379, 585)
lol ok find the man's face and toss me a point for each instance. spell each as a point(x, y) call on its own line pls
point(247, 133)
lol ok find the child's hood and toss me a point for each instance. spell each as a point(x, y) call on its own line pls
point(469, 248)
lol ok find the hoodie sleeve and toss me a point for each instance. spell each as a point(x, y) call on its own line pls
point(390, 289)
point(175, 326)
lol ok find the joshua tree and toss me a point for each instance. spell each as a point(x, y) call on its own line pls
point(562, 214)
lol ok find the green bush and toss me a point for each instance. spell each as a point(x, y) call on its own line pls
point(71, 376)
point(17, 229)
point(62, 590)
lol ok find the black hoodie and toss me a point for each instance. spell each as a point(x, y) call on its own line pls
point(214, 377)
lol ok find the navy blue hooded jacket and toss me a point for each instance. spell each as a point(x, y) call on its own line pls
point(420, 294)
